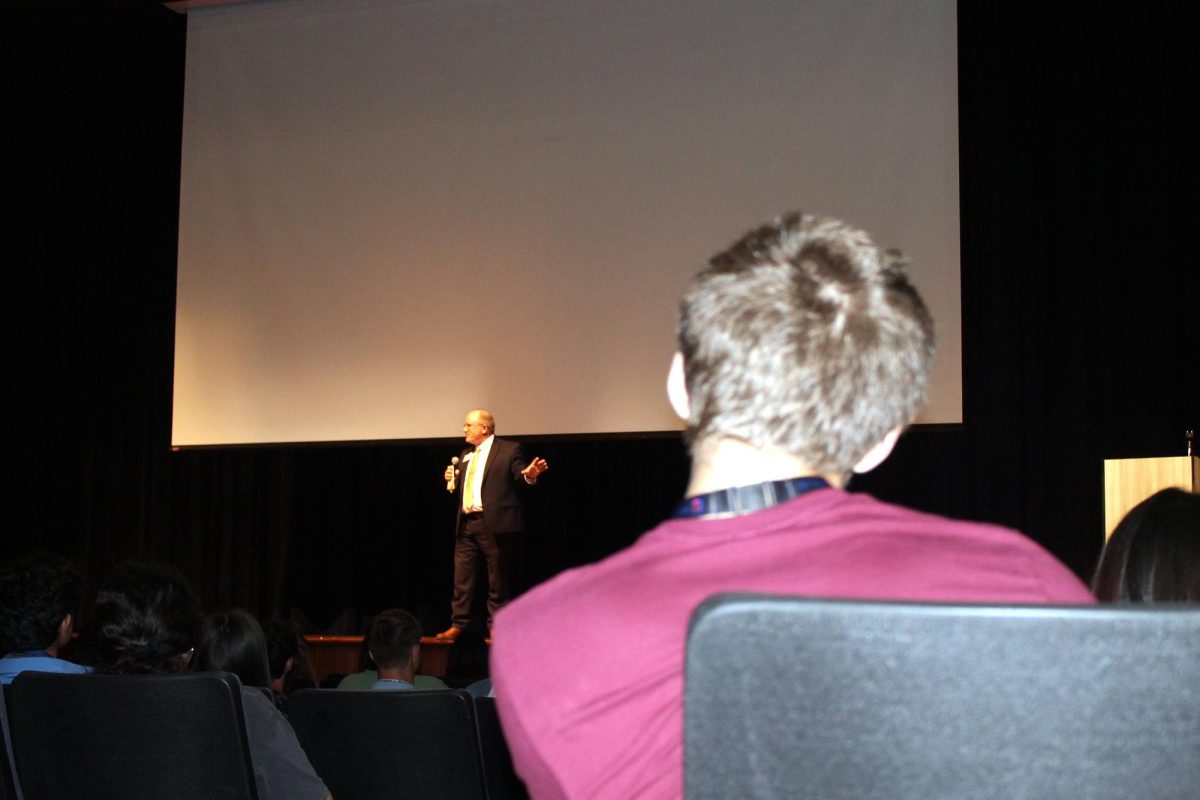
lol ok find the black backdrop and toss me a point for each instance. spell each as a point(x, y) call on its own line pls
point(1079, 284)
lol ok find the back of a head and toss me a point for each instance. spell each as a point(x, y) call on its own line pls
point(1153, 555)
point(233, 641)
point(146, 619)
point(804, 337)
point(283, 642)
point(392, 636)
point(37, 592)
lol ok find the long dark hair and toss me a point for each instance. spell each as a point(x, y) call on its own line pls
point(233, 641)
point(1153, 555)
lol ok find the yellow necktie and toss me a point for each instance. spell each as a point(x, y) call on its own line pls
point(469, 486)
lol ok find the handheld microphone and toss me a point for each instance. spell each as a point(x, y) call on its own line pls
point(450, 483)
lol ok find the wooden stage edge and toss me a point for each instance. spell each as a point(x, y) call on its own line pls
point(344, 655)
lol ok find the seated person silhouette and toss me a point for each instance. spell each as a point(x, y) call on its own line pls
point(287, 658)
point(394, 642)
point(39, 594)
point(1153, 555)
point(147, 620)
point(366, 678)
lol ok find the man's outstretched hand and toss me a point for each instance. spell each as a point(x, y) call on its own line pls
point(535, 468)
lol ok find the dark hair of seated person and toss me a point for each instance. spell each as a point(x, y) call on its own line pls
point(233, 641)
point(1153, 554)
point(284, 645)
point(146, 619)
point(391, 638)
point(37, 592)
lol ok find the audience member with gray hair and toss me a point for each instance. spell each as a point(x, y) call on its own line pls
point(804, 352)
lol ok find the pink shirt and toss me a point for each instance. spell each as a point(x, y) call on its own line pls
point(588, 667)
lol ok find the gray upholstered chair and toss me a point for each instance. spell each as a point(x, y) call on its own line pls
point(804, 698)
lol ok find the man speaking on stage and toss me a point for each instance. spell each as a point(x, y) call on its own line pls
point(485, 479)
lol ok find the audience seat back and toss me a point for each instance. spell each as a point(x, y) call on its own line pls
point(804, 698)
point(502, 781)
point(129, 737)
point(384, 745)
point(8, 788)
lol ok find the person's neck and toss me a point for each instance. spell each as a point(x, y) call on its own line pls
point(727, 463)
point(35, 651)
point(396, 674)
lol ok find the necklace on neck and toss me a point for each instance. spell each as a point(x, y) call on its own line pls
point(746, 499)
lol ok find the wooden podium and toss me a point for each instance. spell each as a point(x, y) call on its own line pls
point(1129, 481)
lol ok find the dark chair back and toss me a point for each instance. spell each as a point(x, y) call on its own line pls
point(383, 745)
point(8, 787)
point(126, 737)
point(802, 698)
point(502, 781)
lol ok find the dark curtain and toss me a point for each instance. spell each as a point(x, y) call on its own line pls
point(1078, 186)
point(1078, 174)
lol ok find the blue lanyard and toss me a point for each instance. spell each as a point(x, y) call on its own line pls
point(744, 499)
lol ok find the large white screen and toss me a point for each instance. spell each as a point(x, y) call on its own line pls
point(393, 212)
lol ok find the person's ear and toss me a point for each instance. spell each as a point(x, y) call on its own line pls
point(416, 657)
point(879, 453)
point(287, 665)
point(677, 391)
point(64, 631)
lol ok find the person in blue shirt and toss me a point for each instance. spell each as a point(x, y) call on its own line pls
point(39, 594)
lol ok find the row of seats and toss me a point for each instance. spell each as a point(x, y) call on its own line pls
point(784, 698)
point(183, 736)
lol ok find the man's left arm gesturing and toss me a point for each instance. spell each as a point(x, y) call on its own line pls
point(536, 467)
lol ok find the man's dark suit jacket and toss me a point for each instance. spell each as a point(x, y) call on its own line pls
point(499, 493)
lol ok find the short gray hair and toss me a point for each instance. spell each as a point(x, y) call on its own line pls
point(807, 337)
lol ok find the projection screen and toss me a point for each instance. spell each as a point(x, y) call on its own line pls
point(393, 212)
